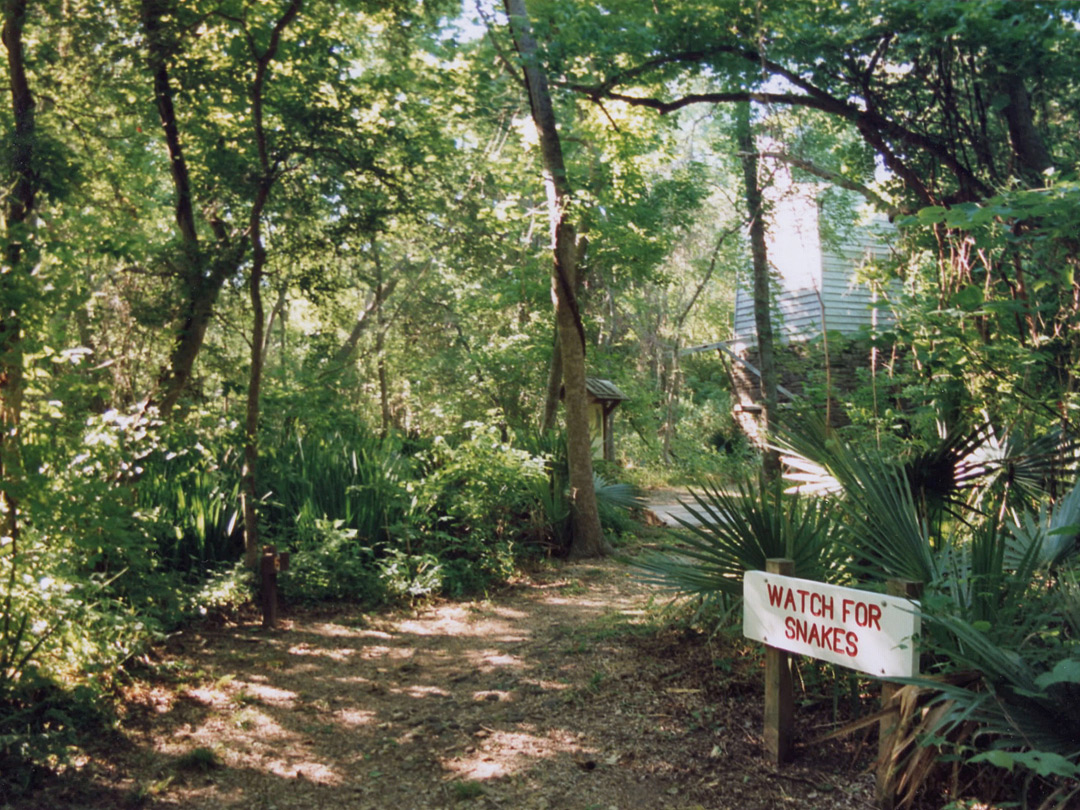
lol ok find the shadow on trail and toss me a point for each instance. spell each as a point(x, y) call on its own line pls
point(532, 700)
point(410, 712)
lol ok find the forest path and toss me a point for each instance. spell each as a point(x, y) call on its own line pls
point(669, 506)
point(560, 691)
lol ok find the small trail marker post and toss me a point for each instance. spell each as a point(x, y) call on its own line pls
point(269, 565)
point(862, 630)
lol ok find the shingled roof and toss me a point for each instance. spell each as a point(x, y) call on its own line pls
point(603, 389)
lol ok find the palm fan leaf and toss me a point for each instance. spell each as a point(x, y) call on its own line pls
point(732, 532)
point(885, 531)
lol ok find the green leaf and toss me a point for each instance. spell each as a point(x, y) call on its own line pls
point(999, 759)
point(969, 298)
point(1047, 763)
point(933, 215)
point(1066, 671)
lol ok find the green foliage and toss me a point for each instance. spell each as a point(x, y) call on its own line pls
point(62, 641)
point(738, 531)
point(329, 563)
point(469, 508)
point(190, 486)
point(403, 171)
point(325, 472)
point(372, 527)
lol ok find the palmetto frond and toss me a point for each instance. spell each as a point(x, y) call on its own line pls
point(737, 531)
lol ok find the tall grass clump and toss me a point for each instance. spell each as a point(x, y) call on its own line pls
point(190, 486)
point(344, 473)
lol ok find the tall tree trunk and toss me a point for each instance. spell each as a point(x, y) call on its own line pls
point(554, 385)
point(202, 276)
point(267, 176)
point(588, 538)
point(1032, 156)
point(249, 495)
point(15, 275)
point(386, 418)
point(762, 315)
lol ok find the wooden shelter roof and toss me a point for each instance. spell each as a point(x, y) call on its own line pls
point(604, 389)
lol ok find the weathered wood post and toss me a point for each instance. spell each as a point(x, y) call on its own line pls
point(779, 697)
point(885, 787)
point(269, 565)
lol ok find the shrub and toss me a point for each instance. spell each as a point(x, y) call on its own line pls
point(330, 564)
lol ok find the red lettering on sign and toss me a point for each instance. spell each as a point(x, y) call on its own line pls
point(837, 639)
point(802, 603)
point(875, 617)
point(776, 594)
point(852, 644)
point(821, 605)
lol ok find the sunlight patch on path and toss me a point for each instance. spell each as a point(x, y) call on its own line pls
point(355, 717)
point(423, 692)
point(335, 654)
point(458, 621)
point(268, 694)
point(487, 660)
point(504, 753)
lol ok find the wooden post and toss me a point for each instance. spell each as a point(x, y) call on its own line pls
point(268, 568)
point(885, 788)
point(779, 697)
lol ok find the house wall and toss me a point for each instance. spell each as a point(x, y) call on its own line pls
point(814, 288)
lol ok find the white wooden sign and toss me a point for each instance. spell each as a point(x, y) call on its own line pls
point(869, 632)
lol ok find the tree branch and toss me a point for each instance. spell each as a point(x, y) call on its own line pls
point(872, 125)
point(838, 179)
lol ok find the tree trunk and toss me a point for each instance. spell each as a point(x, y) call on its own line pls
point(202, 277)
point(15, 275)
point(588, 539)
point(554, 385)
point(762, 314)
point(380, 357)
point(374, 303)
point(1032, 156)
point(249, 496)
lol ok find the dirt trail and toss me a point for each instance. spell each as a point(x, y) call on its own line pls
point(555, 693)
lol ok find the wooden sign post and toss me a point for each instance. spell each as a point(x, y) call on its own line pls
point(779, 695)
point(865, 631)
point(885, 779)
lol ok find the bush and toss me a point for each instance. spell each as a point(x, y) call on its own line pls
point(472, 509)
point(330, 564)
